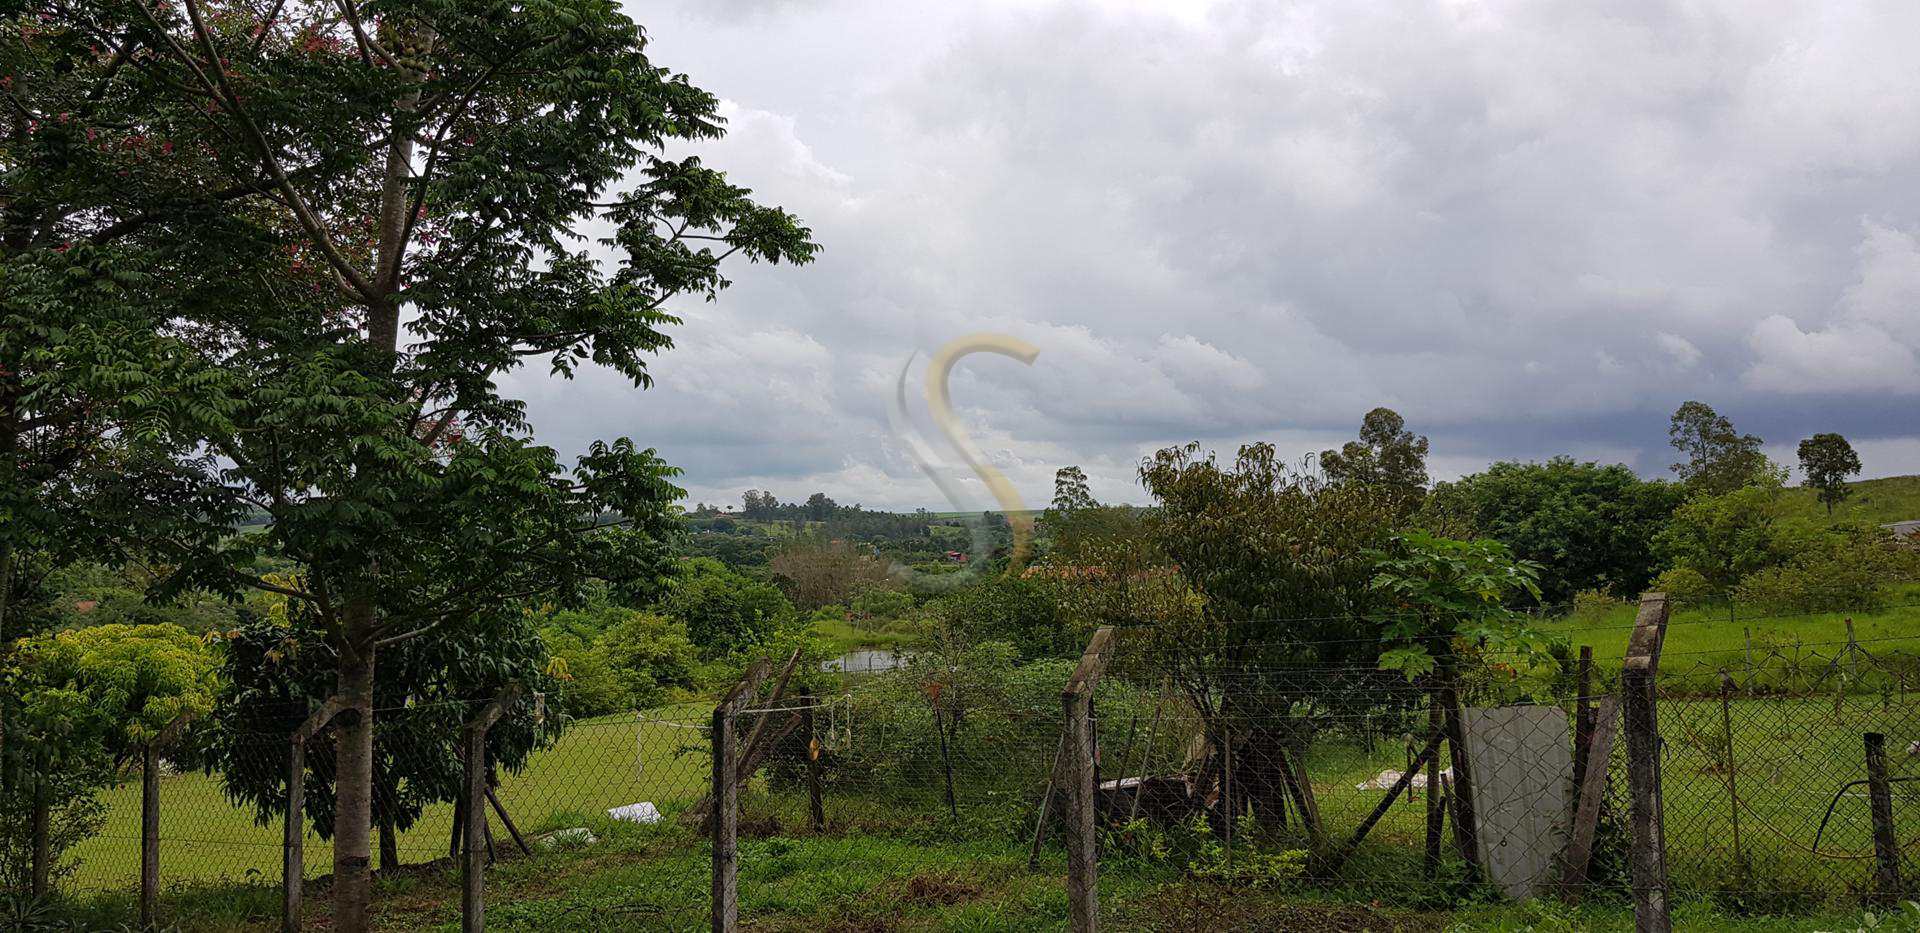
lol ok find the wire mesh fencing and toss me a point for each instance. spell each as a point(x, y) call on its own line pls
point(1206, 783)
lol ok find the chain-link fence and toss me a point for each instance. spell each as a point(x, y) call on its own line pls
point(1214, 783)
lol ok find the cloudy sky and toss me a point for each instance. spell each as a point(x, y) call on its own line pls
point(1531, 227)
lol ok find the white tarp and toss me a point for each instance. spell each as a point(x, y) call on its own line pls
point(642, 812)
point(1386, 779)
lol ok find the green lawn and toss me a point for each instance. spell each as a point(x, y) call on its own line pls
point(1701, 640)
point(597, 764)
point(656, 878)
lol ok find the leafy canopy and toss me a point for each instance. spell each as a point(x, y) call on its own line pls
point(1387, 455)
point(1719, 459)
point(1444, 590)
point(1827, 460)
point(1587, 526)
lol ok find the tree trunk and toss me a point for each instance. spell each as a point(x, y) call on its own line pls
point(42, 830)
point(1466, 826)
point(1262, 777)
point(389, 846)
point(6, 646)
point(353, 777)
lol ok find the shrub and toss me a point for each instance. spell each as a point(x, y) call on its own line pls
point(589, 683)
point(1847, 570)
point(1018, 611)
point(1684, 585)
point(725, 612)
point(650, 656)
point(881, 602)
point(1594, 605)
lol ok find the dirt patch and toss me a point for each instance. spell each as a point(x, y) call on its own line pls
point(1200, 907)
point(937, 889)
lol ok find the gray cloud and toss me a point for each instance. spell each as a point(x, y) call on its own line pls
point(1533, 228)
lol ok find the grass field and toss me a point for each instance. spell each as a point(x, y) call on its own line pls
point(597, 764)
point(1880, 501)
point(1701, 639)
point(655, 878)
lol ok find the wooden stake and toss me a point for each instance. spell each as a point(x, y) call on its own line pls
point(507, 821)
point(816, 804)
point(1641, 722)
point(1046, 800)
point(723, 820)
point(1146, 753)
point(1083, 860)
point(149, 835)
point(1886, 849)
point(293, 867)
point(1582, 722)
point(1733, 773)
point(478, 843)
point(1466, 826)
point(293, 842)
point(946, 762)
point(1436, 793)
point(1366, 826)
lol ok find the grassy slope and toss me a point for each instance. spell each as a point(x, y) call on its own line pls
point(1707, 637)
point(1880, 501)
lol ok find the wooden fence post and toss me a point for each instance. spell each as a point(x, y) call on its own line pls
point(1642, 725)
point(816, 805)
point(1082, 838)
point(473, 860)
point(293, 843)
point(723, 818)
point(1436, 795)
point(149, 834)
point(725, 823)
point(41, 828)
point(293, 867)
point(1582, 722)
point(1886, 850)
point(150, 822)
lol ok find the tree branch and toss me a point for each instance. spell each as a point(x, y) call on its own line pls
point(223, 90)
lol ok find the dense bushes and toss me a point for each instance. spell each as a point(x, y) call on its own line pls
point(725, 612)
point(996, 711)
point(1846, 569)
point(1021, 611)
point(1743, 545)
point(77, 705)
point(613, 658)
point(1589, 527)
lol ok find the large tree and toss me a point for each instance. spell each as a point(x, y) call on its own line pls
point(88, 363)
point(1719, 458)
point(1287, 625)
point(381, 221)
point(1386, 455)
point(1827, 460)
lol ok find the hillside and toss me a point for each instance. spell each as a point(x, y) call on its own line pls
point(1890, 499)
